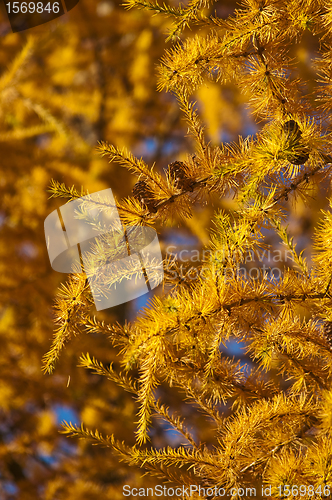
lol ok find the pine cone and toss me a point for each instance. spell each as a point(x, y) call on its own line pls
point(327, 331)
point(143, 193)
point(327, 328)
point(299, 159)
point(292, 130)
point(294, 135)
point(178, 171)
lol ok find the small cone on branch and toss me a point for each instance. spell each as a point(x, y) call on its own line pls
point(292, 130)
point(178, 171)
point(294, 136)
point(143, 193)
point(327, 330)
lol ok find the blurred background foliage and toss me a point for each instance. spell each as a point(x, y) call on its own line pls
point(64, 86)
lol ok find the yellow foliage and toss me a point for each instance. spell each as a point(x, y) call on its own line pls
point(80, 113)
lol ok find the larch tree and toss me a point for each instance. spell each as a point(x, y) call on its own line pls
point(260, 419)
point(268, 422)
